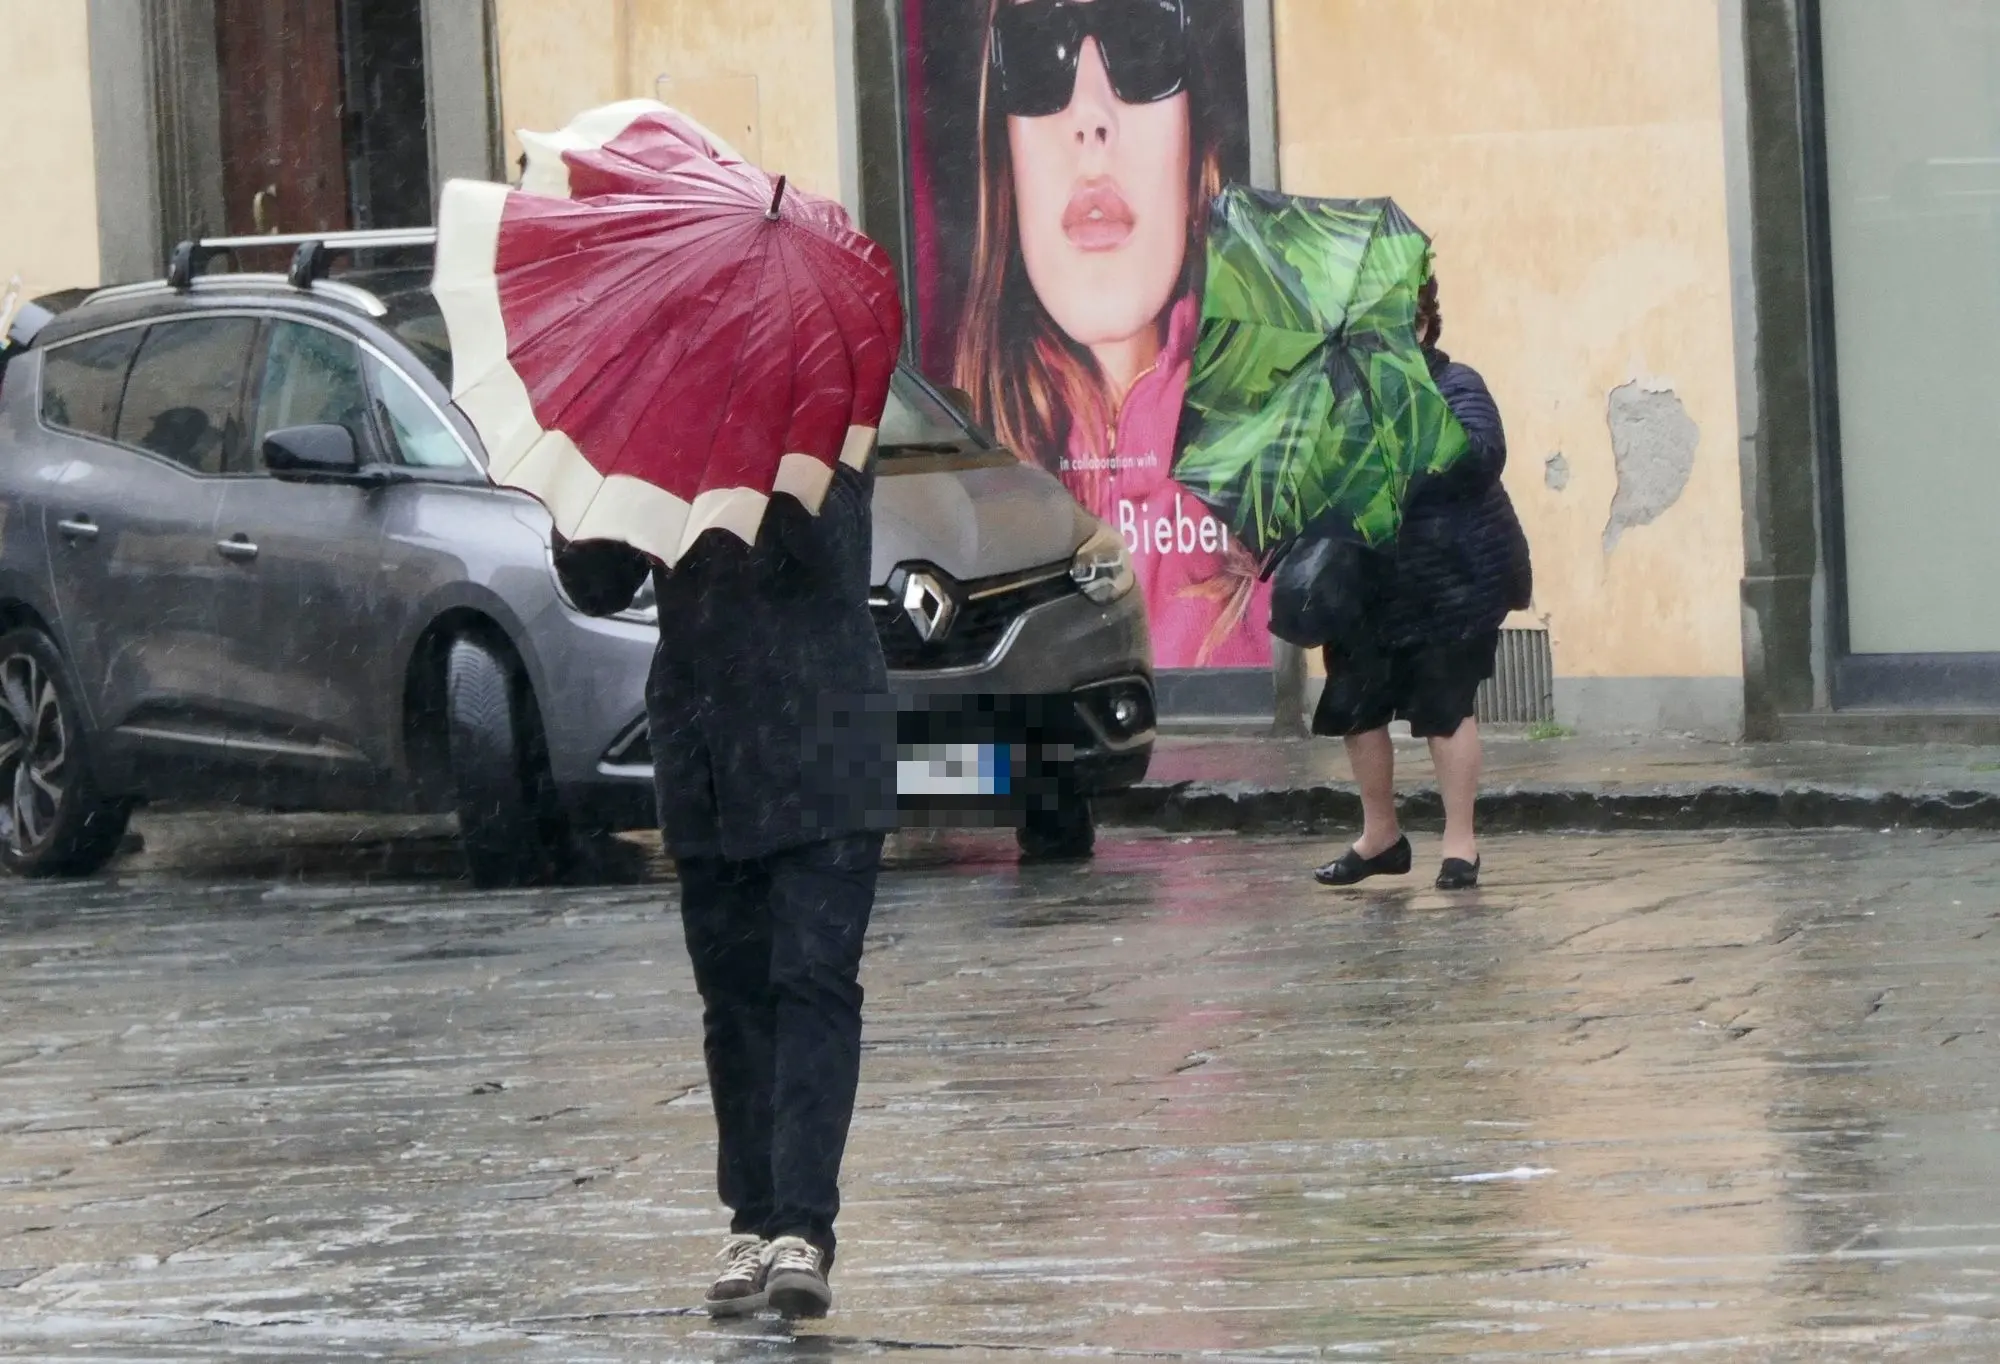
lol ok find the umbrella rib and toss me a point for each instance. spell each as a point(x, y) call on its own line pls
point(710, 478)
point(819, 286)
point(792, 377)
point(736, 369)
point(853, 293)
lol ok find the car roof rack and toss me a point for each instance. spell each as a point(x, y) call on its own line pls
point(312, 257)
point(338, 290)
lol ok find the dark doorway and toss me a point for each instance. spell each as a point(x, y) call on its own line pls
point(323, 115)
point(388, 136)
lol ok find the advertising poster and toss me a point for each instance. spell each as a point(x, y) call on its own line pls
point(1063, 154)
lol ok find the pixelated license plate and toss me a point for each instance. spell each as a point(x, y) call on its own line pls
point(953, 770)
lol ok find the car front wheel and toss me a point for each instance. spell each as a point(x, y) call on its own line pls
point(509, 818)
point(53, 820)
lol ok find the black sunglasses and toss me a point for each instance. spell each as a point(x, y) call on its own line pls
point(1037, 46)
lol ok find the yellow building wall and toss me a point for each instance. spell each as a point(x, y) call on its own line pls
point(1567, 156)
point(48, 177)
point(759, 73)
point(557, 58)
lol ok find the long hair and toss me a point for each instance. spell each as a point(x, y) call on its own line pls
point(1031, 385)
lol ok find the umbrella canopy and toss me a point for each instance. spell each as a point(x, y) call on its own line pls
point(1310, 401)
point(653, 337)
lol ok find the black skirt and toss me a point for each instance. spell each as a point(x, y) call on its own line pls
point(1434, 685)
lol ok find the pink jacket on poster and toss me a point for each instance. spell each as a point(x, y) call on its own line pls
point(1202, 595)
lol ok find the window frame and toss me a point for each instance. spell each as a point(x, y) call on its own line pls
point(1854, 681)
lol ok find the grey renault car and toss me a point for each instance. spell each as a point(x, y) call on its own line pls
point(249, 553)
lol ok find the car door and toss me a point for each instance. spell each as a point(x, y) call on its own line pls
point(301, 650)
point(132, 530)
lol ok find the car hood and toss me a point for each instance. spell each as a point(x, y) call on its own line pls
point(974, 516)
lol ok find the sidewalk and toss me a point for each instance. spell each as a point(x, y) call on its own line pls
point(1262, 785)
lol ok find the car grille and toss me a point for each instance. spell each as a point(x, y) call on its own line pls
point(987, 609)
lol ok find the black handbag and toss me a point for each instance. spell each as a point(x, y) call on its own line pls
point(1324, 590)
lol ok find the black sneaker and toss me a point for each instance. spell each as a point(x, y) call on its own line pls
point(1351, 868)
point(739, 1290)
point(794, 1283)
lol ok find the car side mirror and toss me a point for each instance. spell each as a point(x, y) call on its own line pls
point(312, 452)
point(958, 398)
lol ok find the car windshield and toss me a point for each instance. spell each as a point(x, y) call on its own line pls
point(916, 423)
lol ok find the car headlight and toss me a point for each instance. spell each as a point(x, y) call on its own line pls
point(1102, 568)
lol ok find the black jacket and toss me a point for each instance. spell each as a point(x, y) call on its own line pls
point(768, 696)
point(1461, 562)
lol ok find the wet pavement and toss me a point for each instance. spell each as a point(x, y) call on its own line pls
point(1643, 1097)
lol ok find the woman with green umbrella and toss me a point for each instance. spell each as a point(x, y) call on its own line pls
point(1326, 428)
point(1461, 565)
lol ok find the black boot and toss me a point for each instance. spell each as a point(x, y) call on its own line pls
point(1351, 867)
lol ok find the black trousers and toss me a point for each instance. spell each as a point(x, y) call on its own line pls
point(776, 945)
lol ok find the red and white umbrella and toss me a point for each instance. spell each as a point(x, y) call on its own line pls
point(654, 337)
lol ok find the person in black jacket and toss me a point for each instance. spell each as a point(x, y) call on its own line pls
point(1461, 565)
point(773, 753)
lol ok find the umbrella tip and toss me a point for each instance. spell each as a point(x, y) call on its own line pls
point(777, 199)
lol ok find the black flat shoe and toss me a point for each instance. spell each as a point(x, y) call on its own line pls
point(1351, 867)
point(1458, 874)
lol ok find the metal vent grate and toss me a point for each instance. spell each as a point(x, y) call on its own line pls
point(1522, 690)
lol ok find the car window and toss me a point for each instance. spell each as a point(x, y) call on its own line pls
point(417, 435)
point(916, 423)
point(309, 377)
point(181, 399)
point(82, 381)
point(418, 324)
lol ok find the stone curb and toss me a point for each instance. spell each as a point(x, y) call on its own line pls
point(1246, 807)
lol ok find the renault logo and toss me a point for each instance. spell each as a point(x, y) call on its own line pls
point(929, 605)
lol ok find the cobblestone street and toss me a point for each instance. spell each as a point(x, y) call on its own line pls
point(1714, 1097)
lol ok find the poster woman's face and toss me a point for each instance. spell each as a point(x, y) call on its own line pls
point(1101, 194)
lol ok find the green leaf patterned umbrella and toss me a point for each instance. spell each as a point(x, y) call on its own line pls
point(1310, 403)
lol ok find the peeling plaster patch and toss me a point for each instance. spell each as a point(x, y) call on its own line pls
point(1654, 441)
point(1555, 472)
